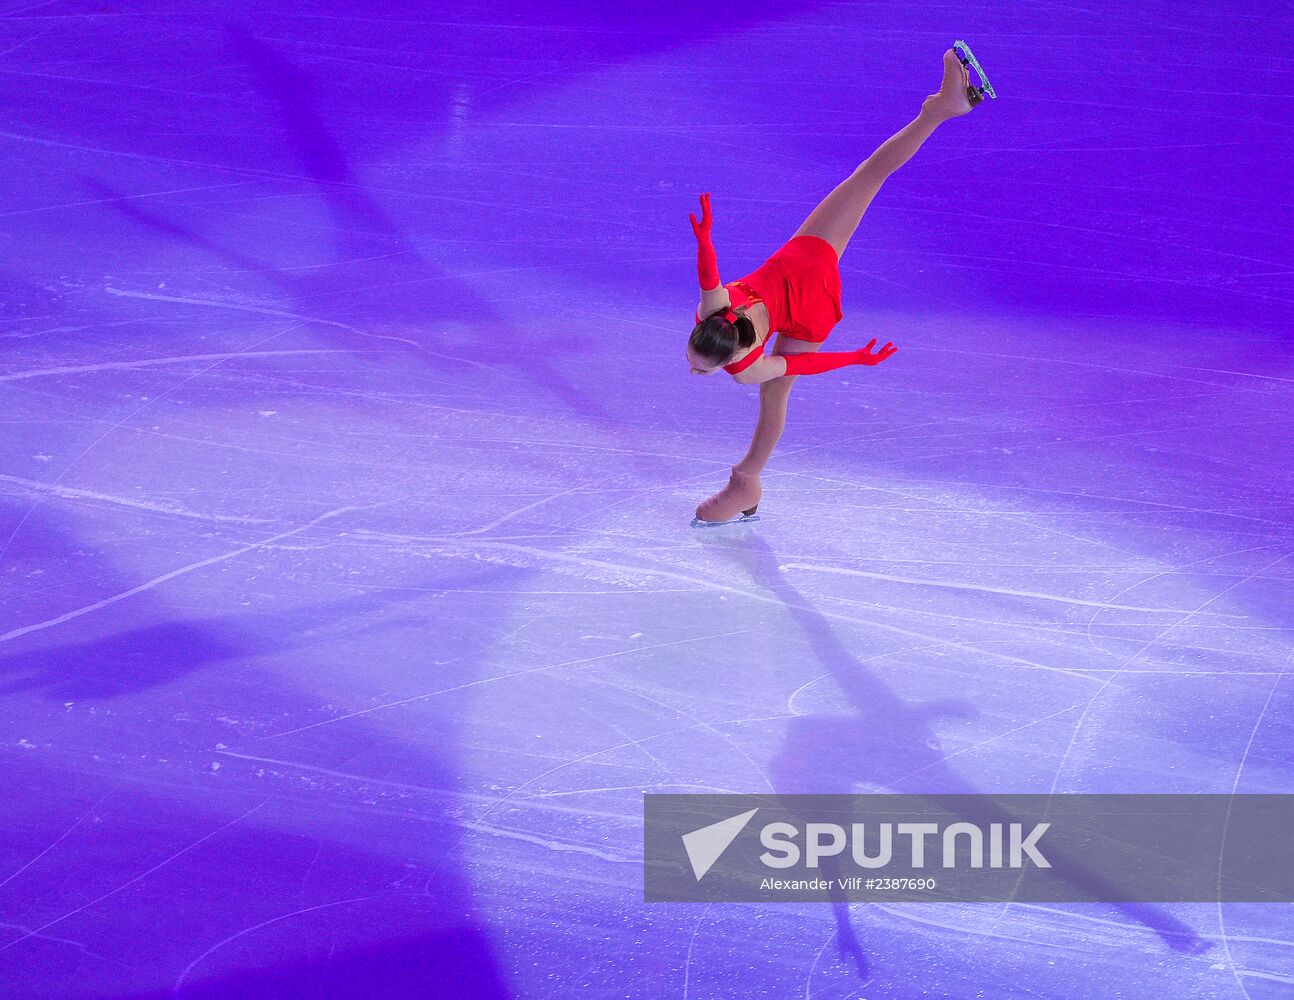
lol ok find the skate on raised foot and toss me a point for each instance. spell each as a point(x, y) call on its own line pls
point(736, 503)
point(967, 59)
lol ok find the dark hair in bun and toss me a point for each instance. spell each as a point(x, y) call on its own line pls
point(718, 340)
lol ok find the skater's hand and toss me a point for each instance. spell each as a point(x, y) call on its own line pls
point(702, 229)
point(866, 357)
point(707, 263)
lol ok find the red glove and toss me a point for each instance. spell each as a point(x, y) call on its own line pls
point(816, 364)
point(707, 264)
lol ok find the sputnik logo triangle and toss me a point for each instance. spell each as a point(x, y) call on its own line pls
point(705, 846)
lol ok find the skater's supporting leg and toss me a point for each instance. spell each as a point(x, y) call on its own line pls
point(743, 490)
point(773, 396)
point(838, 215)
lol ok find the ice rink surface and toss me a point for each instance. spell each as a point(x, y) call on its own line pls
point(349, 447)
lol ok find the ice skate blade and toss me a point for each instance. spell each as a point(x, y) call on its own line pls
point(744, 519)
point(967, 58)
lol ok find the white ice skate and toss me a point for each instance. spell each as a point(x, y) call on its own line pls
point(967, 58)
point(729, 505)
point(746, 517)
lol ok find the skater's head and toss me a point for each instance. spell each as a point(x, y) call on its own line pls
point(717, 338)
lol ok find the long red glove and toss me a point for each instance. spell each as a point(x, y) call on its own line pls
point(816, 364)
point(707, 264)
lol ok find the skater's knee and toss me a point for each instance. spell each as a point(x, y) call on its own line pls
point(873, 167)
point(868, 177)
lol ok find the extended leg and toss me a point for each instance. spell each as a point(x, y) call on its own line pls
point(838, 215)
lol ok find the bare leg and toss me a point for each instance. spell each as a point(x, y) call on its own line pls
point(773, 395)
point(838, 215)
point(743, 490)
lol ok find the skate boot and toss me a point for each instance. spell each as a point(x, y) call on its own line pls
point(956, 96)
point(734, 504)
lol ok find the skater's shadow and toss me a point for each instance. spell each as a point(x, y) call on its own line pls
point(886, 744)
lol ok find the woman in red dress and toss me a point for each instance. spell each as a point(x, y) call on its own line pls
point(796, 294)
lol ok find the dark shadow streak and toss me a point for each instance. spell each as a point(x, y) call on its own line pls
point(451, 951)
point(378, 278)
point(145, 657)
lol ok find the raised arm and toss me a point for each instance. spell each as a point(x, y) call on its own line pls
point(771, 366)
point(713, 295)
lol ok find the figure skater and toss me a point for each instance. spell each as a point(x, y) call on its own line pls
point(796, 292)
